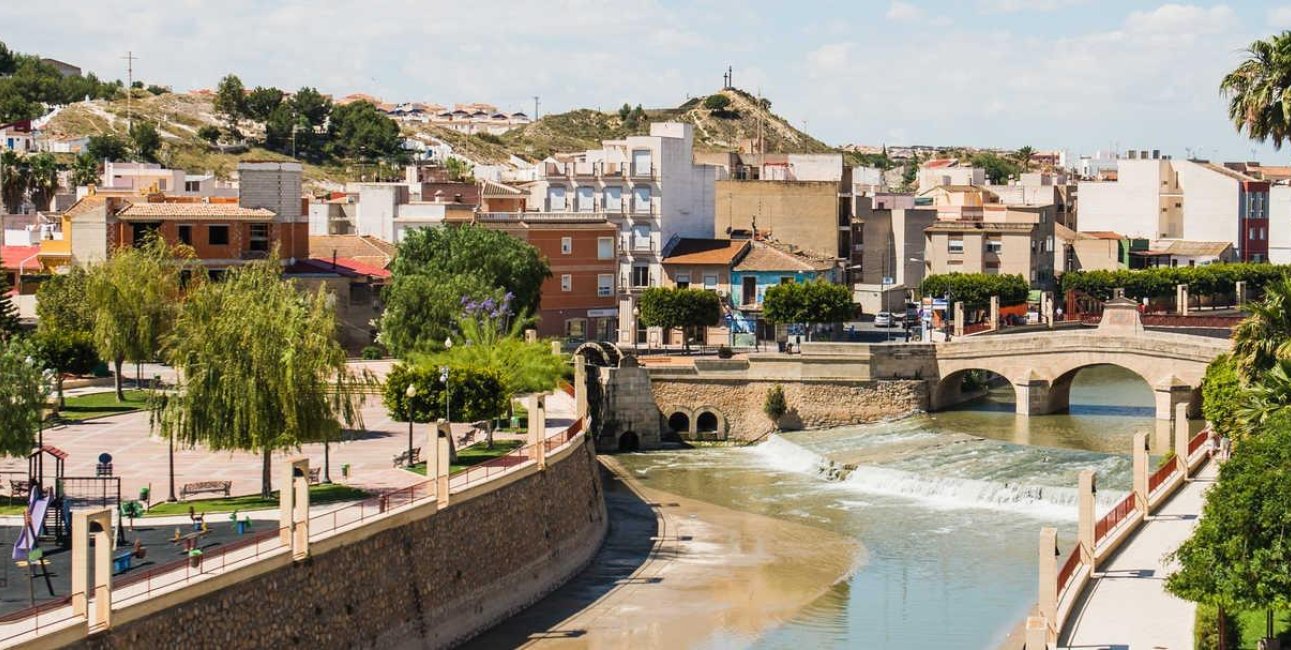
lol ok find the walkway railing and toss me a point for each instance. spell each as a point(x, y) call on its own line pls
point(42, 617)
point(1114, 517)
point(1068, 570)
point(1162, 475)
point(251, 548)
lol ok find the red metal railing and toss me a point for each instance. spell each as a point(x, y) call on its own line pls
point(213, 560)
point(1162, 475)
point(555, 442)
point(567, 388)
point(1197, 441)
point(973, 328)
point(1109, 521)
point(32, 620)
point(1068, 569)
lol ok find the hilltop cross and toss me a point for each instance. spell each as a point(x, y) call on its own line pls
point(728, 77)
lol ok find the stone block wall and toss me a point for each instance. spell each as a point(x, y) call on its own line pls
point(812, 403)
point(430, 583)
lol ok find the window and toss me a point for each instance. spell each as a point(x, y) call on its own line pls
point(1250, 233)
point(604, 248)
point(641, 238)
point(142, 231)
point(566, 245)
point(683, 280)
point(994, 246)
point(566, 282)
point(640, 276)
point(1048, 244)
point(1262, 233)
point(185, 234)
point(605, 284)
point(217, 235)
point(555, 198)
point(259, 240)
point(586, 199)
point(955, 246)
point(641, 198)
point(192, 186)
point(787, 279)
point(576, 328)
point(641, 162)
point(613, 198)
point(710, 281)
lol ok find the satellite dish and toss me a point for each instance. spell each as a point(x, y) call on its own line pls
point(105, 458)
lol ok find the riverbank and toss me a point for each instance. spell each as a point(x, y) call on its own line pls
point(679, 572)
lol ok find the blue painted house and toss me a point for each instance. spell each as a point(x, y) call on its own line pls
point(762, 266)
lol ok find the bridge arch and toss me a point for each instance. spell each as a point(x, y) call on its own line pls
point(709, 424)
point(681, 421)
point(952, 390)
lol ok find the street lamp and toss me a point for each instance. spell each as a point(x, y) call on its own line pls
point(448, 397)
point(410, 393)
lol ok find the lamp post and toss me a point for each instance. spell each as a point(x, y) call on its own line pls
point(410, 393)
point(448, 396)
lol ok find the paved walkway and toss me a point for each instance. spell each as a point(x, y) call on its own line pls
point(1126, 605)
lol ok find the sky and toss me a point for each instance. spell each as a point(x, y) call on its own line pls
point(1080, 75)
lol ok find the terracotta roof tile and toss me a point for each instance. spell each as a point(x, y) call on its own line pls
point(194, 211)
point(765, 257)
point(11, 257)
point(705, 251)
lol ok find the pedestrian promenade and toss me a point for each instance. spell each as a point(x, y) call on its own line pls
point(1126, 605)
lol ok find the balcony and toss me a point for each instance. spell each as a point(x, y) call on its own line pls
point(642, 171)
point(541, 217)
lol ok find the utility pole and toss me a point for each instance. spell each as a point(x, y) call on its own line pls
point(130, 59)
point(535, 108)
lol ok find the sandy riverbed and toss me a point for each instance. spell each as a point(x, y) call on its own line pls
point(677, 573)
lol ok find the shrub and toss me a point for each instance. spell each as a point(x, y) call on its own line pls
point(717, 102)
point(775, 406)
point(485, 136)
point(1160, 282)
point(372, 353)
point(725, 352)
point(976, 289)
point(1221, 395)
point(209, 133)
point(1206, 629)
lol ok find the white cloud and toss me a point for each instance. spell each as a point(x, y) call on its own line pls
point(1015, 6)
point(830, 58)
point(904, 12)
point(1279, 17)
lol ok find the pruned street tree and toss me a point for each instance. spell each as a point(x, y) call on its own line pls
point(672, 307)
point(808, 303)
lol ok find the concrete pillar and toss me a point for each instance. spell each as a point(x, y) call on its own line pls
point(1031, 396)
point(995, 313)
point(1046, 302)
point(293, 504)
point(1168, 394)
point(531, 336)
point(1037, 635)
point(437, 461)
point(1240, 290)
point(1181, 436)
point(1181, 299)
point(580, 387)
point(1048, 559)
point(537, 415)
point(96, 524)
point(537, 434)
point(959, 319)
point(1086, 493)
point(555, 347)
point(1139, 453)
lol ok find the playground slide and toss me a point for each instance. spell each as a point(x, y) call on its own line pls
point(37, 504)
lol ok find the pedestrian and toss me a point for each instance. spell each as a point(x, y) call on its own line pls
point(1058, 314)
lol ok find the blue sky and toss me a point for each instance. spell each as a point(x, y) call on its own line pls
point(1074, 74)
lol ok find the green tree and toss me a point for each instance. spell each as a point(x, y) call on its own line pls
point(361, 132)
point(717, 103)
point(8, 312)
point(107, 147)
point(133, 297)
point(8, 63)
point(437, 267)
point(23, 387)
point(15, 175)
point(1264, 336)
point(1023, 157)
point(280, 129)
point(85, 170)
point(812, 302)
point(688, 309)
point(1264, 399)
point(775, 406)
point(1258, 88)
point(459, 170)
point(145, 140)
point(312, 105)
point(261, 102)
point(998, 169)
point(976, 289)
point(231, 101)
point(472, 393)
point(65, 326)
point(209, 133)
point(42, 179)
point(1239, 555)
point(65, 353)
point(261, 369)
point(1221, 396)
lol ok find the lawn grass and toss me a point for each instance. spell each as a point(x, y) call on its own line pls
point(324, 493)
point(1251, 627)
point(93, 405)
point(473, 455)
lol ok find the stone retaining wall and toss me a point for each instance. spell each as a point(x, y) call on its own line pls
point(427, 583)
point(813, 403)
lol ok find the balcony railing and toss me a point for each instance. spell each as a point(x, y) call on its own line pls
point(582, 217)
point(599, 170)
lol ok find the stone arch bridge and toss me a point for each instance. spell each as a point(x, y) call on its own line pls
point(833, 384)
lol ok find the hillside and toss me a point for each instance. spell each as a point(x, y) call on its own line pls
point(179, 116)
point(722, 130)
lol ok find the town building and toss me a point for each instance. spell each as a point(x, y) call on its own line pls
point(355, 287)
point(887, 260)
point(975, 233)
point(1280, 224)
point(1182, 253)
point(133, 177)
point(17, 136)
point(266, 215)
point(1158, 198)
point(803, 201)
point(702, 264)
point(1090, 251)
point(761, 267)
point(948, 171)
point(388, 211)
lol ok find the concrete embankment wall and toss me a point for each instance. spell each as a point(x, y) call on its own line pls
point(426, 579)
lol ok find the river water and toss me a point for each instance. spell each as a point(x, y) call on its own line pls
point(947, 507)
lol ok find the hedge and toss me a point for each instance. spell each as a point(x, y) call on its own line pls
point(976, 289)
point(1160, 282)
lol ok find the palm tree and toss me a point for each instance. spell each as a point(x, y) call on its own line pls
point(42, 179)
point(14, 175)
point(1023, 157)
point(1259, 91)
point(1265, 398)
point(1264, 337)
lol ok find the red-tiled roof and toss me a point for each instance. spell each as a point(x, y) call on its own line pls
point(354, 265)
point(705, 251)
point(11, 257)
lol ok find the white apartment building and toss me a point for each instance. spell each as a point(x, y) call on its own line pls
point(1191, 200)
point(647, 185)
point(388, 212)
point(944, 171)
point(140, 177)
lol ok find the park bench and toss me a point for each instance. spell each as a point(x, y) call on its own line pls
point(402, 458)
point(205, 486)
point(313, 475)
point(19, 489)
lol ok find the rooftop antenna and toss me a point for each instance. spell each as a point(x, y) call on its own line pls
point(130, 59)
point(535, 108)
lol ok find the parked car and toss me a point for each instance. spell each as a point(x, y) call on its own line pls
point(883, 319)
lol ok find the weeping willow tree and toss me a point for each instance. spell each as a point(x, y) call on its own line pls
point(133, 298)
point(261, 368)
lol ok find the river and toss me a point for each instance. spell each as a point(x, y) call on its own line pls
point(945, 510)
